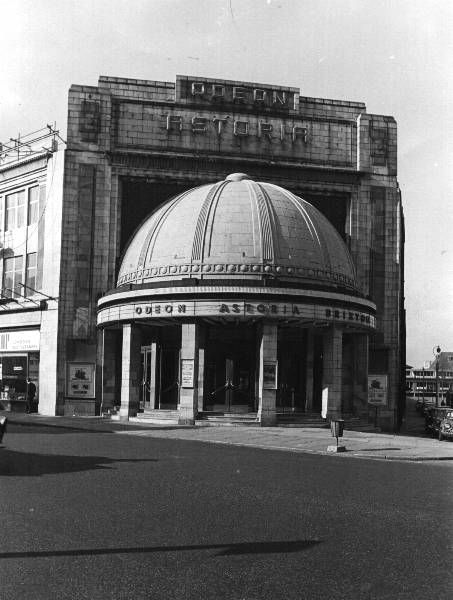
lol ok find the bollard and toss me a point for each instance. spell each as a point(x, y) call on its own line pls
point(336, 428)
point(3, 421)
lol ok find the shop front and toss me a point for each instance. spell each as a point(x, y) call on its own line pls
point(19, 362)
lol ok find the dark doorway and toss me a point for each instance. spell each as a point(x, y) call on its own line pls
point(230, 369)
point(169, 379)
point(159, 383)
point(291, 394)
point(317, 372)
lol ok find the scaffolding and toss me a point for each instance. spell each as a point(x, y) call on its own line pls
point(30, 144)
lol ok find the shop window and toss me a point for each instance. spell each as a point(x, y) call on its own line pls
point(12, 276)
point(15, 210)
point(33, 204)
point(30, 275)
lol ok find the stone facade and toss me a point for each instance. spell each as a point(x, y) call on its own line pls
point(132, 144)
point(30, 303)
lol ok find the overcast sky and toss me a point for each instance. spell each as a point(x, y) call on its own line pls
point(396, 56)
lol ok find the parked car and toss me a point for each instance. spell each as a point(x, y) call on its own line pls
point(446, 426)
point(433, 419)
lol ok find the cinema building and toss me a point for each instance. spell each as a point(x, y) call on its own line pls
point(216, 249)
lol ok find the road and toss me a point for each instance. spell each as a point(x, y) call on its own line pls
point(90, 515)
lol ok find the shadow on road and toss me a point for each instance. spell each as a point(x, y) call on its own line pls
point(22, 464)
point(378, 449)
point(38, 428)
point(223, 549)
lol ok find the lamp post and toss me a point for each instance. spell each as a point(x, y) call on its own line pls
point(436, 352)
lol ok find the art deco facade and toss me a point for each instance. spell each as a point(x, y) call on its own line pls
point(278, 292)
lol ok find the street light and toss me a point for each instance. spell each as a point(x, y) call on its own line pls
point(436, 352)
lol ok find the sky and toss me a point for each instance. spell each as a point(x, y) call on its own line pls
point(396, 56)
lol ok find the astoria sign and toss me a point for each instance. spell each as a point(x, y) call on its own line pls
point(211, 308)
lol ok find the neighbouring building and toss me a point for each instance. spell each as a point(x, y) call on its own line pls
point(207, 247)
point(435, 378)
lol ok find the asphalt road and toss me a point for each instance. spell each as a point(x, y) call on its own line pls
point(90, 515)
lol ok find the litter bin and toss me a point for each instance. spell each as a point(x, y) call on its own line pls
point(337, 427)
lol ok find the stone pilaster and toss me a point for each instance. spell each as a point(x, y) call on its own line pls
point(188, 395)
point(268, 356)
point(309, 372)
point(332, 370)
point(109, 392)
point(130, 369)
point(361, 374)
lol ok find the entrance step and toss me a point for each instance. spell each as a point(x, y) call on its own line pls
point(294, 419)
point(221, 419)
point(159, 417)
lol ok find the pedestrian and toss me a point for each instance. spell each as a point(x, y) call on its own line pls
point(31, 391)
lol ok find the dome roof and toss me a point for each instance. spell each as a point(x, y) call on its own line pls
point(238, 229)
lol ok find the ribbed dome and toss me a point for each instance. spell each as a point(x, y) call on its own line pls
point(238, 229)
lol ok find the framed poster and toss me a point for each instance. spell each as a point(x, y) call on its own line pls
point(80, 380)
point(377, 390)
point(187, 372)
point(270, 375)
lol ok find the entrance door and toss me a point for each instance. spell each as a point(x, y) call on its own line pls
point(169, 379)
point(145, 390)
point(292, 371)
point(230, 359)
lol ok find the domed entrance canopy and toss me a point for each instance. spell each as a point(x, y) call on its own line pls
point(238, 229)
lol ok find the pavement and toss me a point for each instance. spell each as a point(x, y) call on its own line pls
point(382, 446)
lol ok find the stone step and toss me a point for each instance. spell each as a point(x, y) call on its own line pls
point(160, 417)
point(221, 419)
point(301, 420)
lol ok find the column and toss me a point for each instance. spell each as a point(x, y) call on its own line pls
point(309, 373)
point(130, 368)
point(201, 364)
point(267, 388)
point(200, 378)
point(188, 391)
point(332, 370)
point(361, 374)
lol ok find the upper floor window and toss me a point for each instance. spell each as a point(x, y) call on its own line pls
point(15, 210)
point(30, 274)
point(12, 276)
point(33, 204)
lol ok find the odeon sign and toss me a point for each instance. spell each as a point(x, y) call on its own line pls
point(207, 308)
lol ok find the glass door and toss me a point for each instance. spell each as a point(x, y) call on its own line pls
point(229, 383)
point(145, 390)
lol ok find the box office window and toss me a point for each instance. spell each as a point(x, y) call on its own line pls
point(33, 204)
point(12, 276)
point(15, 210)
